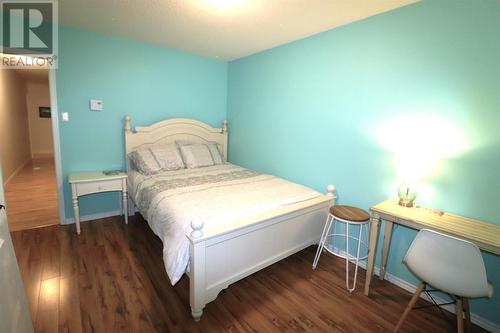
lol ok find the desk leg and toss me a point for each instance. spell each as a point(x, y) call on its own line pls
point(372, 247)
point(124, 206)
point(385, 249)
point(76, 209)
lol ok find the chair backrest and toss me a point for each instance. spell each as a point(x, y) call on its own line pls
point(447, 263)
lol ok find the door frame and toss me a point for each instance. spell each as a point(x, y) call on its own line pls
point(57, 145)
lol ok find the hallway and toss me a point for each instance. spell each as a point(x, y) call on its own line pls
point(31, 196)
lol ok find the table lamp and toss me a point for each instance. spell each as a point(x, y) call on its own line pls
point(407, 192)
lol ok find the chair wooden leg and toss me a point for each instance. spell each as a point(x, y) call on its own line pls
point(410, 305)
point(467, 314)
point(460, 315)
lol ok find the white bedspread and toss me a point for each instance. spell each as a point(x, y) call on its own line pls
point(169, 201)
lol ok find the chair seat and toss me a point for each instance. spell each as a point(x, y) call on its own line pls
point(487, 292)
point(491, 288)
point(349, 213)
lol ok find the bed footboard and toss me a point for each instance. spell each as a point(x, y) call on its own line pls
point(224, 255)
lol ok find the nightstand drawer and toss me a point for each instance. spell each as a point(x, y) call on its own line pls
point(100, 186)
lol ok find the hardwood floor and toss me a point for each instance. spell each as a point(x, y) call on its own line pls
point(111, 278)
point(31, 196)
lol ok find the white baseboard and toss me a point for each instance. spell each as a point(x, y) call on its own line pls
point(476, 319)
point(97, 216)
point(16, 172)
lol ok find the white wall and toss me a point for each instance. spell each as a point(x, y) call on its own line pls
point(40, 129)
point(15, 149)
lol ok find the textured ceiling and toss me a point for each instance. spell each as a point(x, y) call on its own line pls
point(225, 29)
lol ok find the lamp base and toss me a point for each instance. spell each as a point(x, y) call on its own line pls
point(405, 203)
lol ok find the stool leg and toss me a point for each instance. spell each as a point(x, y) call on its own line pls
point(324, 233)
point(357, 262)
point(334, 232)
point(347, 255)
point(324, 237)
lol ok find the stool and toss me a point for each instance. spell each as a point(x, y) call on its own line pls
point(350, 216)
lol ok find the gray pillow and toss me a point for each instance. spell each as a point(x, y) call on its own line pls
point(216, 154)
point(196, 156)
point(214, 148)
point(168, 156)
point(144, 161)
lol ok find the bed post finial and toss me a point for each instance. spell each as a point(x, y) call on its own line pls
point(330, 189)
point(224, 126)
point(197, 225)
point(128, 126)
point(331, 193)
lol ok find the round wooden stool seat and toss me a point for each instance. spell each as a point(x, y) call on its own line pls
point(349, 213)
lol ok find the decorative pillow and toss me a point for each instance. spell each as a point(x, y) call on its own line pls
point(215, 152)
point(144, 161)
point(196, 156)
point(214, 148)
point(168, 156)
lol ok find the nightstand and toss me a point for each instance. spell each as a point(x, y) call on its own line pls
point(84, 183)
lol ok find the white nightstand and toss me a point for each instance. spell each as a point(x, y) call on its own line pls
point(84, 183)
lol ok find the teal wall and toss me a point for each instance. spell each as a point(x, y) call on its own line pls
point(335, 108)
point(147, 82)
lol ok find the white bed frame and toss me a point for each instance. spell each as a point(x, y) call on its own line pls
point(223, 255)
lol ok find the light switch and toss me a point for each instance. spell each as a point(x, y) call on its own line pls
point(95, 105)
point(65, 116)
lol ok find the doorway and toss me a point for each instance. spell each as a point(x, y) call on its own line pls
point(27, 149)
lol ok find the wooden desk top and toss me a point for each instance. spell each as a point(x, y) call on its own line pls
point(483, 234)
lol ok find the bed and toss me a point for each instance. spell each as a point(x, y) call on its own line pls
point(211, 219)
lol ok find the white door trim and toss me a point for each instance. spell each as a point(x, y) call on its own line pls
point(57, 145)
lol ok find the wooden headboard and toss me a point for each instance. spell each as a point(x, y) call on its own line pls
point(171, 130)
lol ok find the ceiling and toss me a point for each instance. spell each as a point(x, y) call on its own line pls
point(34, 75)
point(223, 29)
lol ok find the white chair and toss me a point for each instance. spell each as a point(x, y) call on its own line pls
point(449, 264)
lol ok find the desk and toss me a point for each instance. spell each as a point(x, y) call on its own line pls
point(485, 235)
point(84, 183)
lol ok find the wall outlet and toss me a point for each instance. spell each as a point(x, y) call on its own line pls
point(96, 105)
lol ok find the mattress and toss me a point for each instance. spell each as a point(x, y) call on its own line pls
point(217, 195)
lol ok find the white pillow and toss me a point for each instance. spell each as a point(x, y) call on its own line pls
point(144, 161)
point(214, 148)
point(196, 156)
point(214, 151)
point(168, 157)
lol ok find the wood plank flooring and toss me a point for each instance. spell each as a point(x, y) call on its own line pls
point(111, 278)
point(31, 196)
